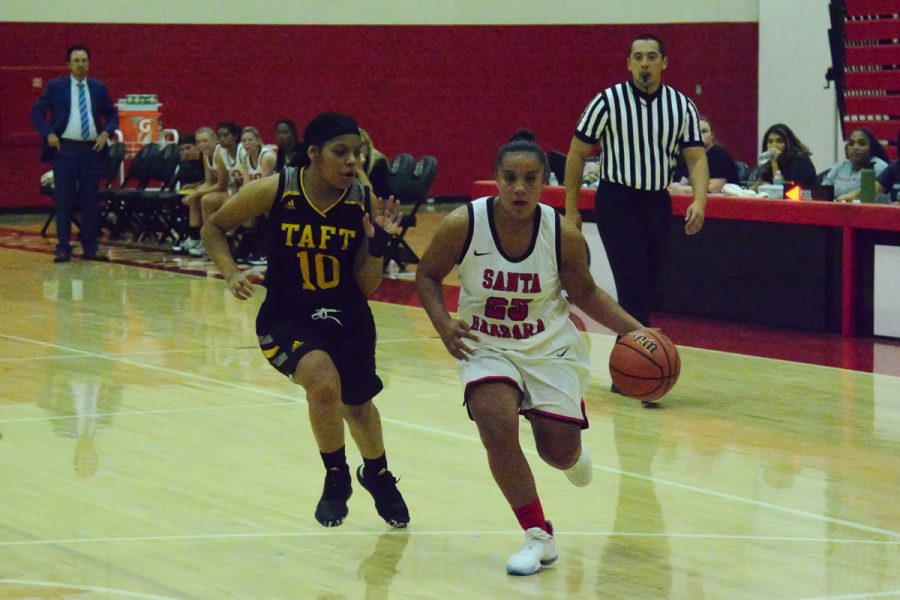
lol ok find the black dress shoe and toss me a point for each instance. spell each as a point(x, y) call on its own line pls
point(94, 256)
point(62, 256)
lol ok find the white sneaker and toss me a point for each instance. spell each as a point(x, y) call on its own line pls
point(539, 550)
point(197, 251)
point(582, 471)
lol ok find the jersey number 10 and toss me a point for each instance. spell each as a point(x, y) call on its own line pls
point(319, 269)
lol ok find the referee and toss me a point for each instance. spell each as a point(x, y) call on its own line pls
point(641, 126)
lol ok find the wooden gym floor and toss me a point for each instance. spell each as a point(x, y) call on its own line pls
point(148, 451)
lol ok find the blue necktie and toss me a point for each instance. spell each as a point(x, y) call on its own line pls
point(82, 106)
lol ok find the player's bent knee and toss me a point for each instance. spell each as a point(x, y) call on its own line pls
point(559, 456)
point(324, 398)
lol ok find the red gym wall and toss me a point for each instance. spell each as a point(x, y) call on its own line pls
point(454, 92)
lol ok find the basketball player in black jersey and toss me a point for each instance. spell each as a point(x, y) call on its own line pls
point(325, 247)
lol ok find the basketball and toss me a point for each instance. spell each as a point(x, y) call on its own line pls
point(644, 365)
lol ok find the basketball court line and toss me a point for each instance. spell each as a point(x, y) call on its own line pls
point(84, 588)
point(131, 413)
point(331, 533)
point(891, 594)
point(186, 351)
point(475, 439)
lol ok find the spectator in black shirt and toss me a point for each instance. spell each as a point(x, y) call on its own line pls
point(722, 168)
point(286, 140)
point(373, 170)
point(889, 182)
point(791, 158)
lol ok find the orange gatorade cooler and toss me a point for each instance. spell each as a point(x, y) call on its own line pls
point(139, 121)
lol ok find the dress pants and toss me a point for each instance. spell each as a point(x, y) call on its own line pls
point(77, 170)
point(634, 228)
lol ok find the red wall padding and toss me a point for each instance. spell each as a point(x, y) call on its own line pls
point(454, 92)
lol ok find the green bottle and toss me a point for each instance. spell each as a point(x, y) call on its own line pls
point(867, 186)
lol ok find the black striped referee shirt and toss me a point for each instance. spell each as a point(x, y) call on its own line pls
point(640, 135)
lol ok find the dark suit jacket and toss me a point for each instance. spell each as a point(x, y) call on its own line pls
point(57, 99)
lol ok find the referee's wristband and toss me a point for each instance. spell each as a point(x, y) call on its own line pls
point(379, 242)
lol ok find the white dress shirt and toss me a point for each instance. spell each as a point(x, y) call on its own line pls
point(73, 127)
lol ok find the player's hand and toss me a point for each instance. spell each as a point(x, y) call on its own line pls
point(384, 214)
point(242, 285)
point(693, 219)
point(574, 217)
point(453, 333)
point(53, 140)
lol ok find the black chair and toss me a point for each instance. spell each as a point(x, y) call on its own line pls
point(114, 157)
point(821, 176)
point(161, 209)
point(400, 165)
point(125, 206)
point(409, 182)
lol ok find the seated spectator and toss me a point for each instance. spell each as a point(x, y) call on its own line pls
point(863, 151)
point(722, 168)
point(286, 141)
point(791, 158)
point(374, 170)
point(888, 183)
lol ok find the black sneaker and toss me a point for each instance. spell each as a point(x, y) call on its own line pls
point(332, 506)
point(388, 501)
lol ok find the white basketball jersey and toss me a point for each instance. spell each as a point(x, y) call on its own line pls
point(254, 172)
point(211, 164)
point(232, 167)
point(514, 304)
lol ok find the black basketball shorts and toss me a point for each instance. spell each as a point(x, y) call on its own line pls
point(350, 343)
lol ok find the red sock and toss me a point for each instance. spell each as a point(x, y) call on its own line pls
point(532, 515)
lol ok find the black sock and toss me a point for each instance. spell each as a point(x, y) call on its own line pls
point(334, 460)
point(194, 233)
point(374, 466)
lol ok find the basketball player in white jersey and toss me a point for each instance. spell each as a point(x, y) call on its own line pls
point(206, 144)
point(517, 350)
point(257, 160)
point(227, 158)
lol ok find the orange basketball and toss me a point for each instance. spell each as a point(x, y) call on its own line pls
point(644, 365)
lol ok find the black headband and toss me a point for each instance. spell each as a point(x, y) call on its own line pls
point(334, 126)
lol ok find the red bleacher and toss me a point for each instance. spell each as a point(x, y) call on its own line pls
point(872, 69)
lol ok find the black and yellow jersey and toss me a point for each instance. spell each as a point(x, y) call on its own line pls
point(311, 252)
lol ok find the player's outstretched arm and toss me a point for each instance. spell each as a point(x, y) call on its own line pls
point(583, 292)
point(437, 262)
point(252, 200)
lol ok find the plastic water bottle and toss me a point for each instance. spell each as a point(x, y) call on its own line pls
point(777, 178)
point(552, 180)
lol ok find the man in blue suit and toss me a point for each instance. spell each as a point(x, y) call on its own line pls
point(82, 117)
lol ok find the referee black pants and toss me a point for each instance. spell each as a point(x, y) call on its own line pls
point(634, 228)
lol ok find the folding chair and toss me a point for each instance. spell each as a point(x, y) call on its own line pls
point(409, 182)
point(161, 208)
point(124, 204)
